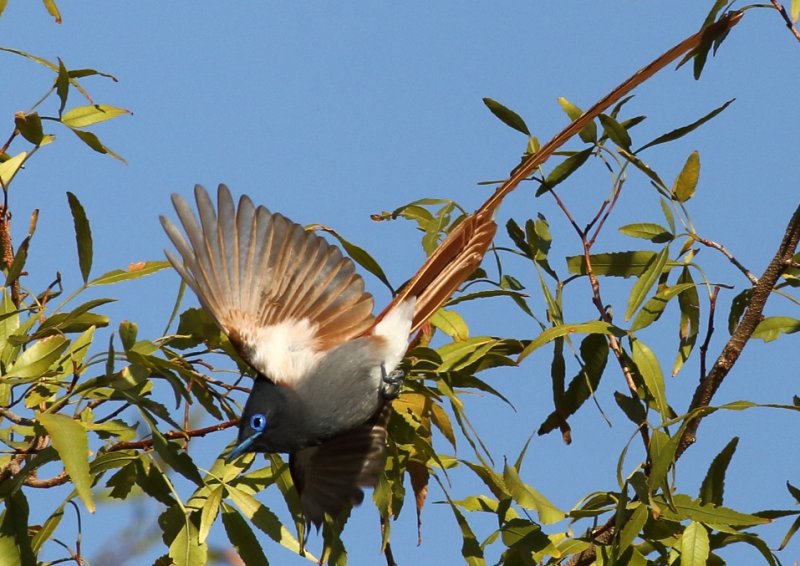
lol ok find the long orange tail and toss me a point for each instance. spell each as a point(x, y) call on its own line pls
point(463, 249)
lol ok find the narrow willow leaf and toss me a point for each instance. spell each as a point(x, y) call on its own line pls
point(83, 235)
point(523, 539)
point(507, 116)
point(52, 9)
point(357, 254)
point(615, 131)
point(209, 512)
point(264, 519)
point(94, 142)
point(9, 168)
point(529, 498)
point(48, 528)
point(62, 84)
point(795, 10)
point(186, 548)
point(37, 359)
point(242, 537)
point(589, 132)
point(451, 323)
point(686, 181)
point(683, 130)
point(134, 271)
point(82, 116)
point(665, 208)
point(171, 452)
point(662, 455)
point(653, 309)
point(694, 545)
point(592, 327)
point(772, 327)
point(646, 281)
point(648, 231)
point(563, 170)
point(684, 507)
point(644, 168)
point(3, 4)
point(689, 302)
point(632, 527)
point(594, 354)
point(70, 441)
point(614, 264)
point(15, 542)
point(712, 489)
point(650, 370)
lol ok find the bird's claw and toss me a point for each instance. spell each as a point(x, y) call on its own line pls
point(392, 382)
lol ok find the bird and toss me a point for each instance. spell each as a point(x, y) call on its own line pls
point(296, 311)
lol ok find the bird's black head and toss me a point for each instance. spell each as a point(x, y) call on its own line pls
point(261, 414)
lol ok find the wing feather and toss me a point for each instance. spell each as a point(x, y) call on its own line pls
point(267, 282)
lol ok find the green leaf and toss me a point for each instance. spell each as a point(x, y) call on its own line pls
point(30, 126)
point(653, 309)
point(694, 545)
point(648, 231)
point(507, 116)
point(713, 488)
point(650, 370)
point(134, 271)
point(592, 327)
point(683, 130)
point(686, 182)
point(646, 169)
point(264, 519)
point(9, 168)
point(563, 170)
point(794, 10)
point(94, 142)
point(589, 132)
point(47, 530)
point(528, 498)
point(83, 235)
point(689, 303)
point(738, 305)
point(594, 353)
point(632, 527)
point(772, 327)
point(684, 507)
point(82, 116)
point(614, 264)
point(242, 537)
point(186, 548)
point(38, 358)
point(646, 281)
point(615, 131)
point(662, 455)
point(70, 441)
point(52, 9)
point(15, 542)
point(451, 323)
point(209, 512)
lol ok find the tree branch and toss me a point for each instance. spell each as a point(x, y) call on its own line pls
point(744, 330)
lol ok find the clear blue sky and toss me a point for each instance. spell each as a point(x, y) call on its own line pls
point(329, 113)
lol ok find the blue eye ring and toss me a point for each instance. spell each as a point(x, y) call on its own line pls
point(258, 422)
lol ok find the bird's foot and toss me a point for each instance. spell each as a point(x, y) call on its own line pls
point(392, 382)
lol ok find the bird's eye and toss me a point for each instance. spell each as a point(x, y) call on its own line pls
point(258, 422)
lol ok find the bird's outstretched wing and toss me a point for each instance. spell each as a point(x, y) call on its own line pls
point(329, 477)
point(282, 294)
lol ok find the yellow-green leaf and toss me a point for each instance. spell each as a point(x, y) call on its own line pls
point(83, 235)
point(451, 323)
point(529, 498)
point(686, 182)
point(10, 167)
point(694, 545)
point(650, 370)
point(795, 10)
point(262, 518)
point(209, 513)
point(646, 281)
point(37, 359)
point(70, 441)
point(52, 9)
point(82, 116)
point(592, 327)
point(134, 271)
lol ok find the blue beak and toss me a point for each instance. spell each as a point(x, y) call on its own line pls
point(242, 447)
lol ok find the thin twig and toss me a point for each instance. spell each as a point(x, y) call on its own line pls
point(712, 305)
point(723, 250)
point(786, 18)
